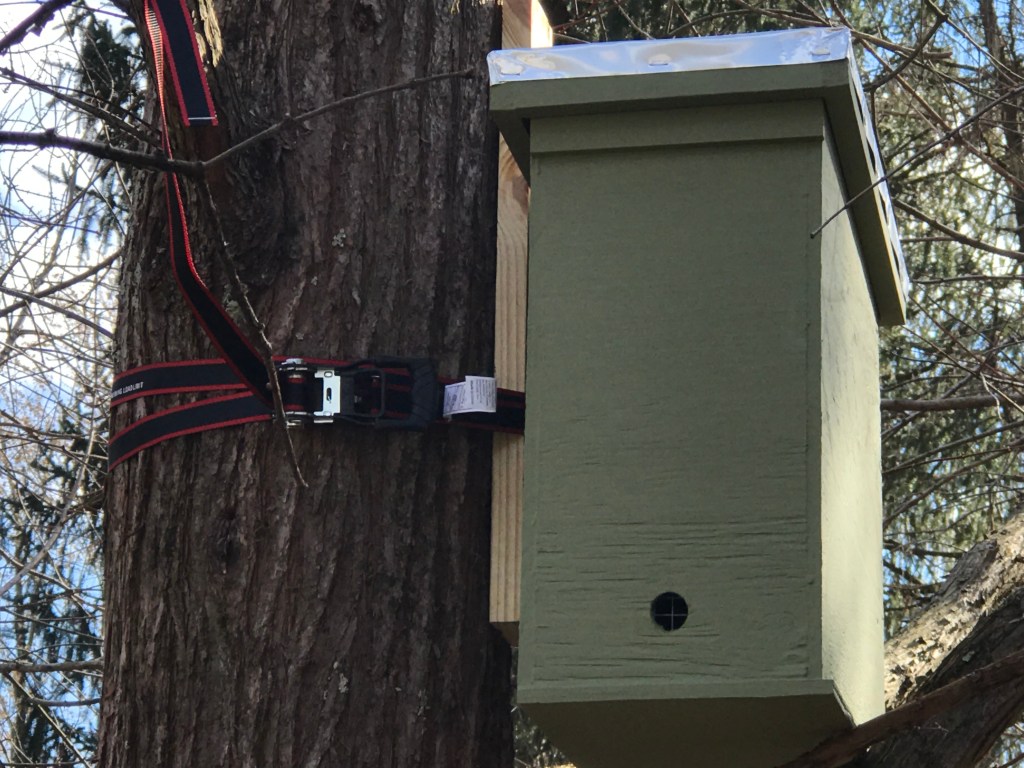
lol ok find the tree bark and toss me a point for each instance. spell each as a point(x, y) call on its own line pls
point(984, 579)
point(963, 733)
point(976, 619)
point(952, 682)
point(252, 622)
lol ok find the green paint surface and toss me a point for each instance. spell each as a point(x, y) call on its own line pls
point(515, 106)
point(706, 732)
point(691, 429)
point(850, 469)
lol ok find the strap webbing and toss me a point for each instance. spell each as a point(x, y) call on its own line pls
point(170, 32)
point(212, 413)
point(241, 375)
point(174, 30)
point(240, 407)
point(171, 378)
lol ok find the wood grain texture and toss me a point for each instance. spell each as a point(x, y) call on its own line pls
point(649, 313)
point(682, 401)
point(523, 25)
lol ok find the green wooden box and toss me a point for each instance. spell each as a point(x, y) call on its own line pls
point(703, 396)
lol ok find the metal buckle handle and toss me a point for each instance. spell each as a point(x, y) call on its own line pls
point(330, 395)
point(380, 392)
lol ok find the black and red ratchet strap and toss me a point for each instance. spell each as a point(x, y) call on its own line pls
point(380, 392)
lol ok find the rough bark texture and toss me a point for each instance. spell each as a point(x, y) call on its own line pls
point(981, 581)
point(251, 622)
point(976, 619)
point(962, 734)
point(975, 624)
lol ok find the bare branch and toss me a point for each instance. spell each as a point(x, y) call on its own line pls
point(35, 21)
point(985, 109)
point(7, 667)
point(914, 55)
point(52, 703)
point(100, 114)
point(966, 403)
point(51, 139)
point(257, 328)
point(66, 514)
point(840, 749)
point(77, 317)
point(196, 169)
point(64, 284)
point(289, 121)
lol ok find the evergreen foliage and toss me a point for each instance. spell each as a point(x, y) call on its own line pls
point(51, 616)
point(54, 369)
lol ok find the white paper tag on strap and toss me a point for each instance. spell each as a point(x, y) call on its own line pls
point(477, 394)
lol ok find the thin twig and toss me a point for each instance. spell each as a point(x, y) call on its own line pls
point(636, 27)
point(57, 726)
point(809, 18)
point(963, 278)
point(28, 297)
point(914, 55)
point(266, 351)
point(957, 236)
point(103, 115)
point(920, 153)
point(289, 120)
point(57, 287)
point(197, 168)
point(65, 515)
point(943, 480)
point(929, 456)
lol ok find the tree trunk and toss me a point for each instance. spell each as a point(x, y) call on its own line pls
point(252, 622)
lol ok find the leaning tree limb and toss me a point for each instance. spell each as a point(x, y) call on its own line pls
point(981, 580)
point(953, 675)
point(34, 22)
point(963, 733)
point(970, 712)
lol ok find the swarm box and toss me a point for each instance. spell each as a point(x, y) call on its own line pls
point(703, 396)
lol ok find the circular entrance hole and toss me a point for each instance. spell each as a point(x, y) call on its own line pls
point(669, 611)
